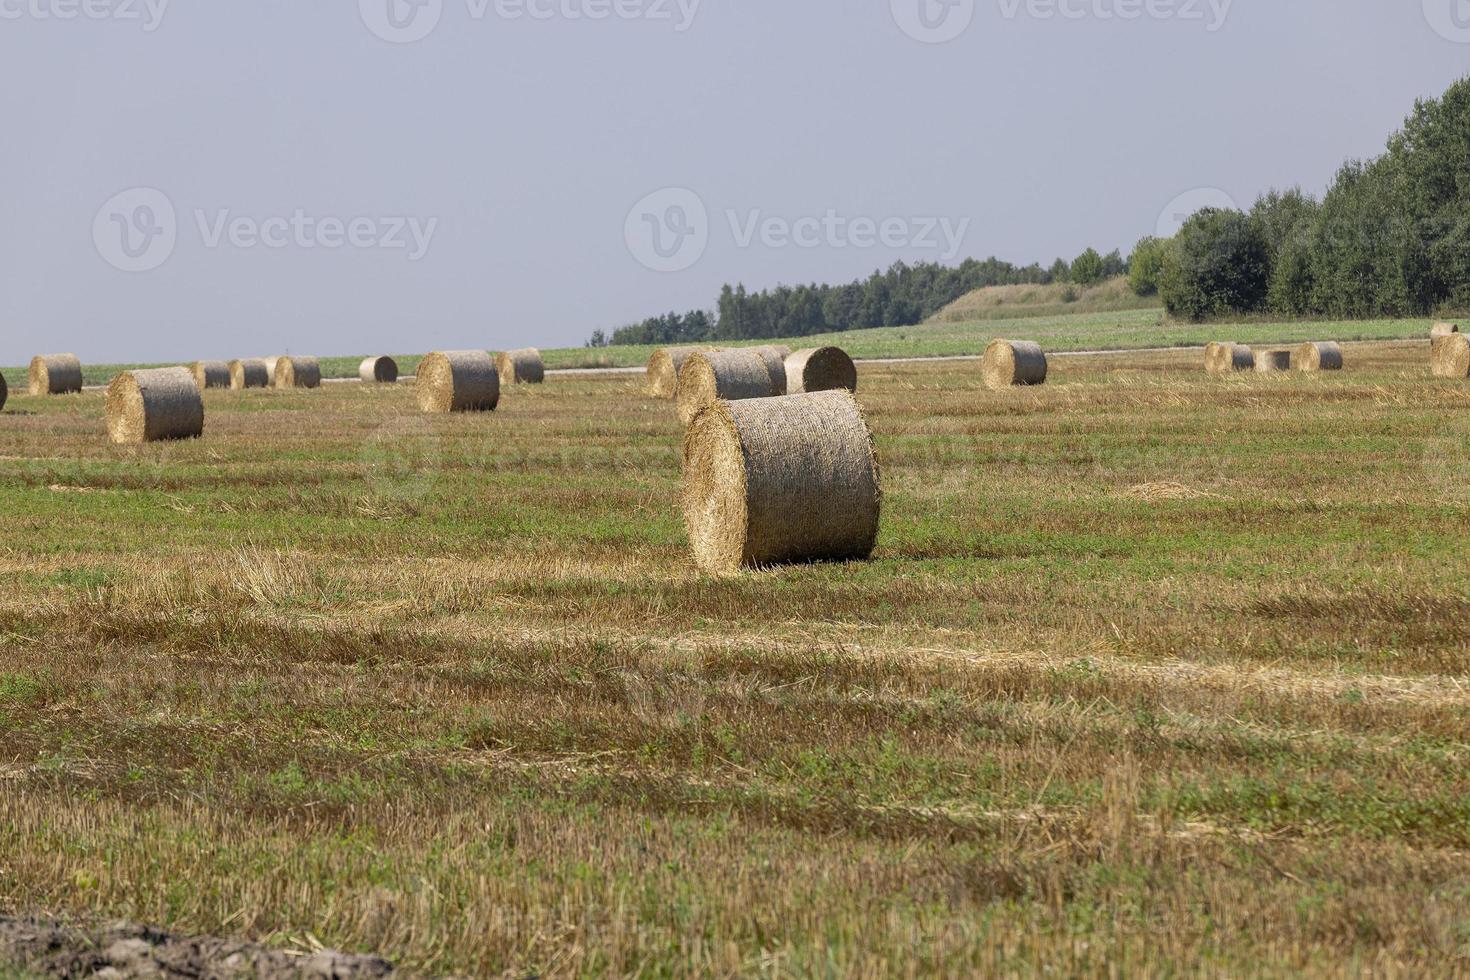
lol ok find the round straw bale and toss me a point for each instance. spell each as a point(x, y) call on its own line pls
point(211, 374)
point(775, 358)
point(146, 406)
point(820, 369)
point(379, 370)
point(270, 370)
point(249, 373)
point(1225, 356)
point(664, 367)
point(774, 480)
point(1452, 357)
point(458, 381)
point(731, 375)
point(1323, 356)
point(4, 391)
point(1443, 330)
point(297, 372)
point(1271, 361)
point(1013, 362)
point(520, 367)
point(55, 374)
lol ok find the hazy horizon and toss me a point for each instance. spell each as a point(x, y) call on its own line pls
point(401, 175)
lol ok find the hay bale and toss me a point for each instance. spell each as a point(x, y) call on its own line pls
point(664, 367)
point(1271, 361)
point(1226, 356)
point(270, 369)
point(4, 391)
point(1320, 356)
point(820, 369)
point(146, 406)
point(1440, 330)
point(249, 373)
point(1452, 357)
point(55, 374)
point(1013, 362)
point(381, 370)
point(458, 381)
point(775, 358)
point(297, 372)
point(210, 374)
point(520, 367)
point(729, 375)
point(775, 480)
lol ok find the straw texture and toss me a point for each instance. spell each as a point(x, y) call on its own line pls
point(1452, 357)
point(664, 367)
point(1443, 330)
point(270, 370)
point(520, 367)
point(55, 374)
point(382, 370)
point(820, 369)
point(210, 374)
point(146, 406)
point(1271, 361)
point(1320, 356)
point(731, 375)
point(1225, 356)
point(775, 480)
point(775, 358)
point(458, 381)
point(249, 373)
point(1013, 362)
point(297, 372)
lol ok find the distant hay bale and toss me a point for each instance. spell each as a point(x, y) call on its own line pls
point(146, 406)
point(382, 370)
point(820, 369)
point(55, 374)
point(1271, 361)
point(664, 367)
point(523, 367)
point(1013, 362)
point(1225, 356)
point(775, 480)
point(729, 375)
point(775, 358)
point(270, 369)
point(1452, 357)
point(249, 373)
point(297, 372)
point(210, 374)
point(4, 391)
point(1443, 330)
point(458, 381)
point(1319, 356)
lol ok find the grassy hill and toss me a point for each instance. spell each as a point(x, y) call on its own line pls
point(1055, 299)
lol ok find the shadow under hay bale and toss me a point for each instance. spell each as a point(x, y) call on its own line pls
point(731, 375)
point(1008, 363)
point(1272, 361)
point(297, 372)
point(1451, 357)
point(523, 367)
point(664, 367)
point(249, 373)
point(1318, 356)
point(776, 480)
point(458, 381)
point(382, 370)
point(1225, 357)
point(820, 369)
point(55, 374)
point(149, 406)
point(210, 374)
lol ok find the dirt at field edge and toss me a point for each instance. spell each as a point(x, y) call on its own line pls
point(118, 950)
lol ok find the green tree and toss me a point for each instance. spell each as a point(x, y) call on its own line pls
point(1145, 264)
point(1218, 265)
point(1087, 268)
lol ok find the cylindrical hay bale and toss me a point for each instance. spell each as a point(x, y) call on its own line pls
point(146, 406)
point(55, 374)
point(1271, 361)
point(1013, 362)
point(4, 391)
point(1224, 356)
point(249, 373)
point(1443, 330)
point(382, 370)
point(270, 369)
point(520, 367)
point(210, 374)
point(1324, 356)
point(820, 369)
point(664, 367)
point(776, 480)
point(731, 375)
point(775, 358)
point(458, 381)
point(1452, 357)
point(297, 372)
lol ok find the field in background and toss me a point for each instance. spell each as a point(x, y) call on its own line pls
point(1148, 668)
point(1053, 299)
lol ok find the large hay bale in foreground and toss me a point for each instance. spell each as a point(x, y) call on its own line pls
point(1013, 362)
point(820, 369)
point(381, 370)
point(775, 480)
point(146, 406)
point(664, 367)
point(1318, 356)
point(1451, 357)
point(297, 372)
point(1271, 361)
point(523, 367)
point(249, 373)
point(210, 374)
point(729, 375)
point(1226, 356)
point(55, 374)
point(458, 381)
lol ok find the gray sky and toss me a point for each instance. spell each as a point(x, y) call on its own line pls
point(300, 144)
